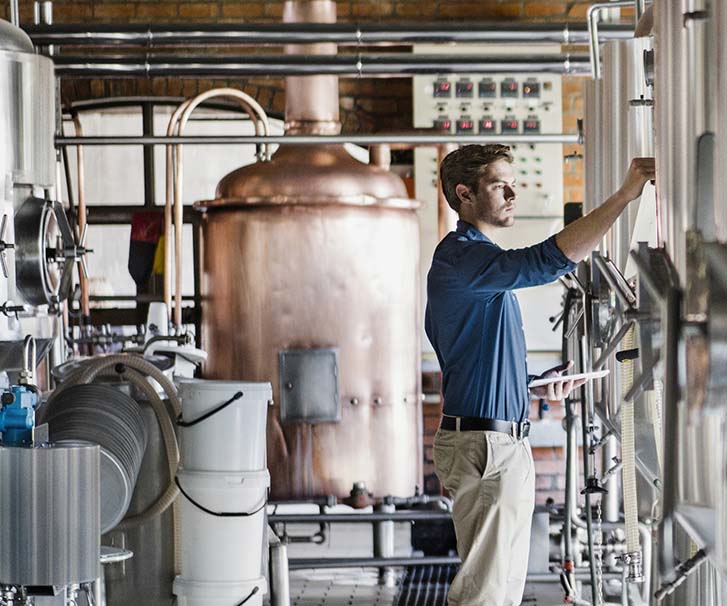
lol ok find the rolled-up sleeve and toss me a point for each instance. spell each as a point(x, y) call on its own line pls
point(489, 268)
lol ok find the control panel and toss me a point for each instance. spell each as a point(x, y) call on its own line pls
point(499, 104)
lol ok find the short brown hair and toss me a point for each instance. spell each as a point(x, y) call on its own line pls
point(466, 165)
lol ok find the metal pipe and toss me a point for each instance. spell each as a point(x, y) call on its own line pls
point(85, 307)
point(317, 563)
point(353, 518)
point(359, 65)
point(594, 14)
point(14, 13)
point(613, 345)
point(414, 139)
point(259, 34)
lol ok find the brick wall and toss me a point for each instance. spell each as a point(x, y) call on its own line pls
point(366, 104)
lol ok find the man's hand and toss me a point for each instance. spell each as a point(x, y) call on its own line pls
point(640, 172)
point(559, 390)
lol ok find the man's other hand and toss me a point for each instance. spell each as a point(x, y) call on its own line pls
point(640, 172)
point(559, 390)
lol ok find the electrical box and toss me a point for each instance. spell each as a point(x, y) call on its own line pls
point(499, 104)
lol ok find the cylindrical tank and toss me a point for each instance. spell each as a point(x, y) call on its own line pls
point(49, 514)
point(27, 168)
point(310, 267)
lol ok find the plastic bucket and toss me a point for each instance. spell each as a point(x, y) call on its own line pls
point(222, 548)
point(192, 593)
point(232, 439)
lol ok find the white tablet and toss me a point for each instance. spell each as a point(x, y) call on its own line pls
point(596, 374)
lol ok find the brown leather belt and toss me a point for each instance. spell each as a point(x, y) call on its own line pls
point(515, 429)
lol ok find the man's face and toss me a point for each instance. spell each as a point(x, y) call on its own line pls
point(494, 202)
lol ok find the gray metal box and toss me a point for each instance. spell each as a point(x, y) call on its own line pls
point(309, 386)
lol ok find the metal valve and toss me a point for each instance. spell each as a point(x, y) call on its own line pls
point(4, 246)
point(70, 250)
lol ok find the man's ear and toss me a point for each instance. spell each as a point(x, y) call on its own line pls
point(463, 193)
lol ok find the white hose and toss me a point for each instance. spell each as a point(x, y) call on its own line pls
point(628, 451)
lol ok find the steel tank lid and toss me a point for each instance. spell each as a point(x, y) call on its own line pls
point(14, 39)
point(320, 175)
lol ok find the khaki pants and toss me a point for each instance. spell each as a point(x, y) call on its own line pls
point(491, 478)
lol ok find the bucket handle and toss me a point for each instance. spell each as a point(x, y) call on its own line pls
point(220, 514)
point(182, 423)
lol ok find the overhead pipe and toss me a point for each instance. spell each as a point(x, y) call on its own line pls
point(409, 139)
point(259, 34)
point(594, 15)
point(368, 65)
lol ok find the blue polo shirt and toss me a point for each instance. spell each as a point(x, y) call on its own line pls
point(474, 324)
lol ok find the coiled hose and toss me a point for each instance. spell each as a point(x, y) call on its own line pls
point(628, 451)
point(136, 369)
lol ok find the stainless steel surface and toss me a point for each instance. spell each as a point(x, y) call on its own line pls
point(309, 387)
point(367, 34)
point(593, 17)
point(27, 104)
point(671, 106)
point(49, 510)
point(392, 138)
point(279, 573)
point(12, 38)
point(146, 579)
point(315, 249)
point(392, 65)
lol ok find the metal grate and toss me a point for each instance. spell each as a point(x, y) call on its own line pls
point(426, 585)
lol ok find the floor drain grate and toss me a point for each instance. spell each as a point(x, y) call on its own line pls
point(426, 585)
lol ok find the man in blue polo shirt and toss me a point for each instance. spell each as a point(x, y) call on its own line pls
point(481, 451)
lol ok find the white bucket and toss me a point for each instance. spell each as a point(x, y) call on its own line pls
point(192, 593)
point(222, 549)
point(232, 439)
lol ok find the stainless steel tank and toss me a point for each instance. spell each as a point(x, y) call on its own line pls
point(49, 514)
point(27, 170)
point(310, 267)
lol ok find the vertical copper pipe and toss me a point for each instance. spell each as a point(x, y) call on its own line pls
point(380, 155)
point(311, 102)
point(85, 306)
point(446, 217)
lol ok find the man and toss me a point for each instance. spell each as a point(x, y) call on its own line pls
point(481, 451)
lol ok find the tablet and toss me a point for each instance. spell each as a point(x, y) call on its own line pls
point(596, 374)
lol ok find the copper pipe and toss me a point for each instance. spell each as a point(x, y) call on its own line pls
point(311, 102)
point(85, 306)
point(446, 217)
point(174, 184)
point(380, 155)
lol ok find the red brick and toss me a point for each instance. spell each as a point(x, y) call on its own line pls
point(414, 11)
point(244, 10)
point(541, 454)
point(113, 11)
point(545, 482)
point(550, 467)
point(164, 10)
point(198, 10)
point(534, 10)
point(372, 9)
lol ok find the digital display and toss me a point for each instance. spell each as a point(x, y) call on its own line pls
point(487, 125)
point(509, 126)
point(531, 90)
point(531, 126)
point(443, 124)
point(442, 88)
point(487, 88)
point(464, 88)
point(508, 88)
point(465, 126)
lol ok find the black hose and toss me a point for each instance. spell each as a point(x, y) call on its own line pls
point(252, 593)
